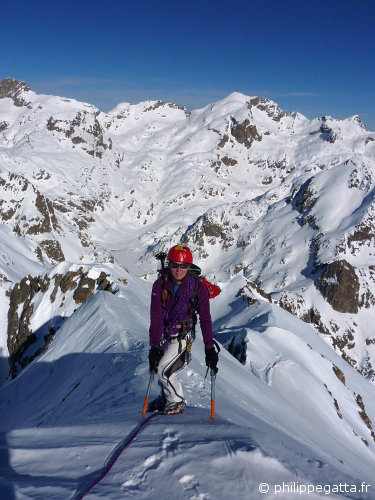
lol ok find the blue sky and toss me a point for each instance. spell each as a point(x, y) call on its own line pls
point(316, 57)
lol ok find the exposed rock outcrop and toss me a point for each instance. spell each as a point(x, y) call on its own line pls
point(339, 285)
point(14, 89)
point(87, 124)
point(269, 107)
point(21, 308)
point(24, 344)
point(245, 133)
point(327, 134)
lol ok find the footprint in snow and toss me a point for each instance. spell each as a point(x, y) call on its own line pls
point(189, 482)
point(170, 442)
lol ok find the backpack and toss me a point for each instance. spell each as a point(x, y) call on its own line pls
point(213, 290)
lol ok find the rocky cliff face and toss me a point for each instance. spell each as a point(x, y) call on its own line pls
point(14, 89)
point(339, 285)
point(286, 202)
point(53, 297)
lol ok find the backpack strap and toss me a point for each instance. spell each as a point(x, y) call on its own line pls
point(194, 303)
point(164, 293)
point(163, 272)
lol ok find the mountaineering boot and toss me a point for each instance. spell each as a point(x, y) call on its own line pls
point(157, 404)
point(172, 408)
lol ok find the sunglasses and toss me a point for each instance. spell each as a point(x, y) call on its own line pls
point(175, 265)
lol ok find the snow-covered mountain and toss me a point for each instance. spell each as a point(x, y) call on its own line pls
point(278, 209)
point(284, 201)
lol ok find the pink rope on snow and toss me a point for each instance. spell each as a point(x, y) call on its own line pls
point(116, 454)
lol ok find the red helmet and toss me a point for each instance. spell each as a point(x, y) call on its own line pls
point(181, 254)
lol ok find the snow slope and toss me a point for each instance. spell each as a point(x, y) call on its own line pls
point(276, 422)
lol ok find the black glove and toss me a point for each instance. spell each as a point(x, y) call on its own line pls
point(212, 359)
point(154, 356)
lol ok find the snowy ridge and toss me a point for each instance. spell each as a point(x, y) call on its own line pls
point(39, 305)
point(72, 406)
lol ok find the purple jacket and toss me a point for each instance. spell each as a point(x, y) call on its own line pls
point(157, 313)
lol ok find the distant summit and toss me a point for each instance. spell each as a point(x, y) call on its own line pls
point(12, 88)
point(9, 86)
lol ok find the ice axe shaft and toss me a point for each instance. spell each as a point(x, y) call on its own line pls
point(145, 404)
point(213, 377)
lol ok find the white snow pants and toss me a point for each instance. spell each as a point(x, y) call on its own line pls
point(172, 362)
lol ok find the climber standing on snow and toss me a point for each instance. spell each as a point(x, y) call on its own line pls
point(173, 299)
